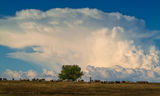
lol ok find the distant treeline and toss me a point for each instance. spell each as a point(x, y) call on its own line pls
point(91, 81)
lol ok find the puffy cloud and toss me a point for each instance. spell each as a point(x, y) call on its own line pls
point(30, 74)
point(121, 73)
point(19, 74)
point(48, 74)
point(87, 37)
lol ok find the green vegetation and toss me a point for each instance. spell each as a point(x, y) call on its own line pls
point(35, 88)
point(70, 72)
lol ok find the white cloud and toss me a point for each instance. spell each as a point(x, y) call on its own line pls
point(49, 75)
point(19, 74)
point(121, 73)
point(30, 74)
point(84, 37)
point(12, 74)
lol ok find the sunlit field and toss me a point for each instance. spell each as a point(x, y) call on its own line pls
point(28, 88)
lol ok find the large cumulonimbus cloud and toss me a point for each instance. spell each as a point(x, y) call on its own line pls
point(105, 45)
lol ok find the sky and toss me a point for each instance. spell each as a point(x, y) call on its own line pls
point(108, 39)
point(149, 10)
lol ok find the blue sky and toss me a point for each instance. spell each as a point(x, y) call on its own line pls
point(147, 10)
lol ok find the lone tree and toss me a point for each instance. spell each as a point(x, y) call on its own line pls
point(70, 72)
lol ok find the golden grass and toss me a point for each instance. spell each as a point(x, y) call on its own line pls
point(25, 88)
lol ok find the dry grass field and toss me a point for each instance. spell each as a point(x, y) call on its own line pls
point(25, 88)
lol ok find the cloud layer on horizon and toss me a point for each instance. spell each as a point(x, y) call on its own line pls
point(30, 74)
point(97, 41)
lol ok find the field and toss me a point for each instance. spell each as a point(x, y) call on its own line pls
point(25, 88)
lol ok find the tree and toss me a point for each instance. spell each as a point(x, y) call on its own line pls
point(70, 72)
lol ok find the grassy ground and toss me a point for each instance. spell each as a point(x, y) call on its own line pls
point(24, 88)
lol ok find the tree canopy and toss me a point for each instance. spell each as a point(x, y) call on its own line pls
point(70, 72)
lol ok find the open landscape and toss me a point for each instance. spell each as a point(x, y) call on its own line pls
point(47, 88)
point(79, 48)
